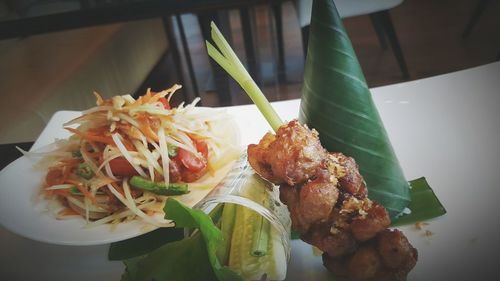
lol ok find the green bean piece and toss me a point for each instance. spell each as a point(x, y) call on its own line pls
point(84, 171)
point(76, 154)
point(172, 151)
point(159, 187)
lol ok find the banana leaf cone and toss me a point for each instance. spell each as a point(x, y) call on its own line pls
point(336, 102)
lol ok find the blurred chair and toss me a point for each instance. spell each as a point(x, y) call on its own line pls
point(476, 14)
point(378, 10)
point(221, 18)
point(481, 6)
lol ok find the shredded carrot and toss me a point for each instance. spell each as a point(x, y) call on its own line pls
point(71, 162)
point(129, 130)
point(87, 136)
point(145, 127)
point(66, 171)
point(68, 212)
point(67, 163)
point(128, 145)
point(118, 188)
point(125, 127)
point(157, 96)
point(83, 190)
point(60, 192)
point(99, 99)
point(99, 130)
point(210, 169)
point(144, 98)
point(96, 154)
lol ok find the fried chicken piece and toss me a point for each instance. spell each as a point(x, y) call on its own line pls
point(389, 257)
point(334, 242)
point(289, 195)
point(350, 180)
point(396, 250)
point(316, 200)
point(367, 227)
point(310, 204)
point(291, 156)
point(327, 199)
point(364, 264)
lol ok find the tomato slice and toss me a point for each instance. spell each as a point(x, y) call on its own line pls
point(165, 102)
point(54, 177)
point(202, 147)
point(121, 167)
point(193, 163)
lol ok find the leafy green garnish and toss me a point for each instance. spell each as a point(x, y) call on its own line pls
point(181, 260)
point(144, 244)
point(424, 204)
point(192, 258)
point(336, 102)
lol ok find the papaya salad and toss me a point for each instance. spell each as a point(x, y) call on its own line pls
point(126, 156)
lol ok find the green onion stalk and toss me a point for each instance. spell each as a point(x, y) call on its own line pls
point(228, 60)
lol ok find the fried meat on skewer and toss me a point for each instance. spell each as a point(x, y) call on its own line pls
point(327, 199)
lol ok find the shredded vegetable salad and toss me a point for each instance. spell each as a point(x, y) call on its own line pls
point(126, 155)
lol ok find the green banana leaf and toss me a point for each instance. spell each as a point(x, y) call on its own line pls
point(424, 204)
point(336, 102)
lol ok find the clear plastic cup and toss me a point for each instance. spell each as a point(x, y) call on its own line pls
point(239, 187)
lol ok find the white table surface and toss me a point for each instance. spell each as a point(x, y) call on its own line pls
point(445, 128)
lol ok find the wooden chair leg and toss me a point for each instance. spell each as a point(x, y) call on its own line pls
point(385, 19)
point(248, 40)
point(172, 44)
point(478, 11)
point(187, 55)
point(221, 79)
point(379, 30)
point(278, 18)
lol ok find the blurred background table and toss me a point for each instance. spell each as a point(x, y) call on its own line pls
point(29, 17)
point(126, 46)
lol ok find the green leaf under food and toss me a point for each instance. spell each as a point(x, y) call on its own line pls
point(144, 244)
point(336, 102)
point(184, 260)
point(424, 204)
point(192, 258)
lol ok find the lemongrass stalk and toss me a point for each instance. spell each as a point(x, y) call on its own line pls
point(228, 60)
point(226, 227)
point(261, 226)
point(260, 237)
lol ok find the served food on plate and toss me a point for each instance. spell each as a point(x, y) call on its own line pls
point(126, 156)
point(325, 193)
point(327, 199)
